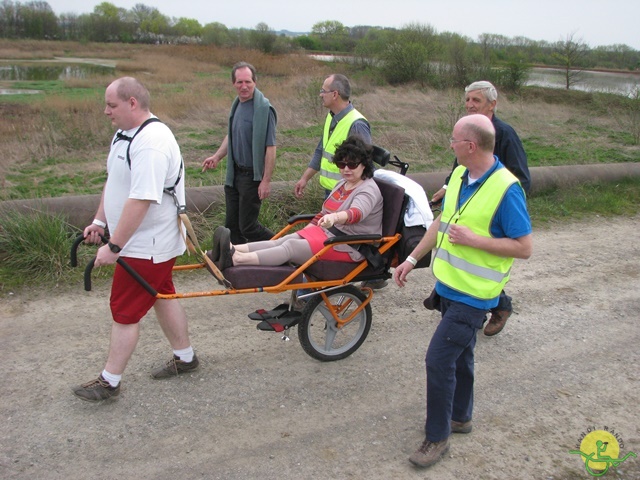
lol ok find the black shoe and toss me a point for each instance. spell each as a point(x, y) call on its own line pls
point(96, 390)
point(215, 250)
point(226, 258)
point(226, 250)
point(175, 367)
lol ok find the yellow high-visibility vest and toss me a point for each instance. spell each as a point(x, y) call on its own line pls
point(466, 269)
point(329, 173)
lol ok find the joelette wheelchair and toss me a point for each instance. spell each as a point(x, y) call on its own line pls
point(337, 314)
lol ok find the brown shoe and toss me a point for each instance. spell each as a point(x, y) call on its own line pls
point(461, 427)
point(175, 367)
point(96, 390)
point(497, 322)
point(429, 453)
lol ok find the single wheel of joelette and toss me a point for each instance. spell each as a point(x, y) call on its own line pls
point(321, 336)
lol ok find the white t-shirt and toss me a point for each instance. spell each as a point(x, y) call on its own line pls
point(155, 164)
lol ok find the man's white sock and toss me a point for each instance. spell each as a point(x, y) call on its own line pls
point(186, 354)
point(113, 379)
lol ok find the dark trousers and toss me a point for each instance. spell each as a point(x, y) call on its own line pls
point(242, 209)
point(449, 363)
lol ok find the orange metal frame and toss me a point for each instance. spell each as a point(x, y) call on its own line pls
point(286, 285)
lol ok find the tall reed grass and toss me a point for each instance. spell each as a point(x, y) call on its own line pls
point(34, 248)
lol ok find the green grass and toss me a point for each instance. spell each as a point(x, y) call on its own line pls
point(585, 201)
point(46, 179)
point(540, 154)
point(53, 87)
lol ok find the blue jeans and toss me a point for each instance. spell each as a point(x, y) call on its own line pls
point(449, 363)
point(242, 210)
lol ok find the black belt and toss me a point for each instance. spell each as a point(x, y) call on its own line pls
point(240, 169)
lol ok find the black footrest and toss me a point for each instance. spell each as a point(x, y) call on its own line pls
point(277, 312)
point(288, 320)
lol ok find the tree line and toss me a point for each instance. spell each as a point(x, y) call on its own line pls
point(415, 52)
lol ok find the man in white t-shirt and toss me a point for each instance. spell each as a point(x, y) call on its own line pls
point(142, 221)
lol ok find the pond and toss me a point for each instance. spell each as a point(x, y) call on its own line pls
point(47, 71)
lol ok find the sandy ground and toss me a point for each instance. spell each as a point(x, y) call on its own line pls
point(568, 360)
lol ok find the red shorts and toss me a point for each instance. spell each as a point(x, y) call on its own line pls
point(129, 300)
point(316, 236)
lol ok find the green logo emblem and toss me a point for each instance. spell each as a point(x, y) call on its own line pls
point(600, 450)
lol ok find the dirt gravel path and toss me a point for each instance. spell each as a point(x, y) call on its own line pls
point(568, 360)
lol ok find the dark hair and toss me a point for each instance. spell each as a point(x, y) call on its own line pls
point(240, 65)
point(355, 148)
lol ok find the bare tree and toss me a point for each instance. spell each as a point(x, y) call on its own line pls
point(570, 52)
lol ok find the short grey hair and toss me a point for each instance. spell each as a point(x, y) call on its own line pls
point(341, 84)
point(487, 88)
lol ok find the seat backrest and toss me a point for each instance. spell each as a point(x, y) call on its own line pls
point(393, 206)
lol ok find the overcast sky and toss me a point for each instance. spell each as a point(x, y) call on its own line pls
point(596, 22)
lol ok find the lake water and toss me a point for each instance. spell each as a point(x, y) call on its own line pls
point(588, 81)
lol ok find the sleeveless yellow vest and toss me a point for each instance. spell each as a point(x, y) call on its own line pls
point(465, 269)
point(329, 173)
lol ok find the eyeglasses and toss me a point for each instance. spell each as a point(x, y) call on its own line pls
point(323, 91)
point(352, 165)
point(453, 140)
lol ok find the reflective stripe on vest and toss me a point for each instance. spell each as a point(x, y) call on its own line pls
point(329, 173)
point(469, 270)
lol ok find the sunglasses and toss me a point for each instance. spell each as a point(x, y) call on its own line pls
point(352, 165)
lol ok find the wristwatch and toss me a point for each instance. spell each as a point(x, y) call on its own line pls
point(113, 247)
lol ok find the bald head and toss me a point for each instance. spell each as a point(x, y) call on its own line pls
point(478, 129)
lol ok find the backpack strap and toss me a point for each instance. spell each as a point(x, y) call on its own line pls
point(130, 139)
point(122, 136)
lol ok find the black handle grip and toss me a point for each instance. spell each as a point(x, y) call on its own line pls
point(74, 250)
point(91, 264)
